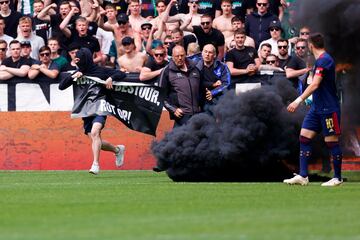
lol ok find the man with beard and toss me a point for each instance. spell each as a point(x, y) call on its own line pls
point(206, 34)
point(324, 114)
point(94, 124)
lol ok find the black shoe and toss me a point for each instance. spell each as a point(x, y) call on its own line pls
point(158, 169)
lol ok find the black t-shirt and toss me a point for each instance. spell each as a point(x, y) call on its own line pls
point(88, 41)
point(68, 67)
point(241, 59)
point(214, 37)
point(10, 63)
point(295, 63)
point(153, 66)
point(187, 40)
point(11, 23)
point(284, 62)
point(41, 28)
point(55, 21)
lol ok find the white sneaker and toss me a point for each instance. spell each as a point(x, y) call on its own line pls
point(95, 169)
point(332, 183)
point(119, 161)
point(297, 179)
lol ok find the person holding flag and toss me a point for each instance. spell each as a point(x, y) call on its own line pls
point(93, 92)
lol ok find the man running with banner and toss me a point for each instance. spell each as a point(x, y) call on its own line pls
point(138, 106)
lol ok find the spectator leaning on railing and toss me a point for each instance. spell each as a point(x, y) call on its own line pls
point(15, 65)
point(45, 67)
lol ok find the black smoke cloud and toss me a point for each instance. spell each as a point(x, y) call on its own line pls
point(247, 138)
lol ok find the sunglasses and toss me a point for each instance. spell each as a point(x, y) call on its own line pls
point(44, 54)
point(274, 29)
point(302, 47)
point(3, 49)
point(167, 43)
point(5, 2)
point(262, 4)
point(145, 28)
point(305, 33)
point(126, 44)
point(270, 62)
point(122, 23)
point(205, 23)
point(192, 2)
point(284, 47)
point(158, 54)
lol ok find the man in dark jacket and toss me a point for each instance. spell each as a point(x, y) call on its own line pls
point(91, 93)
point(181, 79)
point(257, 23)
point(216, 75)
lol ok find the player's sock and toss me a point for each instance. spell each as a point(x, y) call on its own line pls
point(336, 156)
point(305, 155)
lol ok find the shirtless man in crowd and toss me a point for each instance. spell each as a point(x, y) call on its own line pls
point(223, 22)
point(132, 60)
point(236, 24)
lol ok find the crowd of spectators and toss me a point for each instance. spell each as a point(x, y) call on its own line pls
point(41, 37)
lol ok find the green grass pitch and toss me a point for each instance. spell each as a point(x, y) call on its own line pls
point(143, 205)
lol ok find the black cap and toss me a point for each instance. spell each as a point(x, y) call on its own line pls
point(25, 43)
point(275, 24)
point(127, 41)
point(122, 18)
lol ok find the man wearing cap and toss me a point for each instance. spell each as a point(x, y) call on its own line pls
point(15, 65)
point(26, 52)
point(132, 60)
point(147, 31)
point(257, 23)
point(26, 34)
point(275, 30)
point(121, 30)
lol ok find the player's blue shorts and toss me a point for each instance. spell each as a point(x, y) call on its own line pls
point(329, 123)
point(89, 121)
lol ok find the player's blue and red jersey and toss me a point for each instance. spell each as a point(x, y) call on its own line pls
point(325, 99)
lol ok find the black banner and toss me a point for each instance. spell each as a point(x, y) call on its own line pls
point(138, 106)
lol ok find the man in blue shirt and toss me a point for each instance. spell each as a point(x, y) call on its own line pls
point(324, 114)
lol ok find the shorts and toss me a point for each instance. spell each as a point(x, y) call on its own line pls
point(89, 121)
point(329, 123)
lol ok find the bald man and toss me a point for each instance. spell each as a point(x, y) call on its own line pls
point(181, 79)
